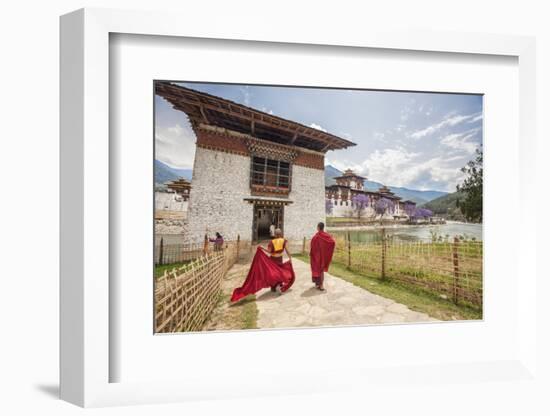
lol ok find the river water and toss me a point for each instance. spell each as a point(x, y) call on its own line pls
point(400, 232)
point(417, 232)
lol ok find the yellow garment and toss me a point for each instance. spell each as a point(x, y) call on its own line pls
point(278, 246)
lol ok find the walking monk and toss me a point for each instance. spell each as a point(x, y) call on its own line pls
point(320, 255)
point(276, 247)
point(268, 270)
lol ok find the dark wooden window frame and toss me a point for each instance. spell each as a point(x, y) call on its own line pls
point(256, 169)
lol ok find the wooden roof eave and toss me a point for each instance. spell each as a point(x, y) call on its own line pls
point(175, 94)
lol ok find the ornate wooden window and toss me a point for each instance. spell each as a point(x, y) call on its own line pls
point(270, 176)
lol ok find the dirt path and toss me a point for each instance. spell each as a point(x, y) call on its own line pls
point(341, 304)
point(227, 316)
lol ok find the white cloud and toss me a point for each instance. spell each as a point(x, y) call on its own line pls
point(317, 126)
point(389, 165)
point(476, 118)
point(246, 95)
point(405, 114)
point(343, 164)
point(449, 121)
point(435, 173)
point(175, 145)
point(378, 136)
point(346, 136)
point(400, 167)
point(462, 141)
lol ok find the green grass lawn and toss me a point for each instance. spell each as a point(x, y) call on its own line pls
point(159, 269)
point(248, 313)
point(331, 221)
point(239, 315)
point(415, 298)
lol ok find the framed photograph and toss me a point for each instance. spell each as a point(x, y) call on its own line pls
point(250, 206)
point(285, 199)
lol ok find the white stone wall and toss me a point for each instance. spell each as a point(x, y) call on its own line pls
point(341, 210)
point(308, 208)
point(173, 226)
point(221, 183)
point(216, 202)
point(169, 201)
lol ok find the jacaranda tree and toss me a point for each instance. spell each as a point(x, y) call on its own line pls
point(360, 203)
point(409, 209)
point(384, 206)
point(422, 213)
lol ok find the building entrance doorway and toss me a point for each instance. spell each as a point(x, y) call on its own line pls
point(264, 216)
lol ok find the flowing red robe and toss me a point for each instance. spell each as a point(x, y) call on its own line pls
point(265, 272)
point(320, 253)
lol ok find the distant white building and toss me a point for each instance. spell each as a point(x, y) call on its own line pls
point(172, 200)
point(166, 200)
point(349, 185)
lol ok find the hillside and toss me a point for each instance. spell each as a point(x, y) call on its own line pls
point(330, 173)
point(420, 197)
point(446, 206)
point(165, 173)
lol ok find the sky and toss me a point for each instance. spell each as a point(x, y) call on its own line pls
point(416, 140)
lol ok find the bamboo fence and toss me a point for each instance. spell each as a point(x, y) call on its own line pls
point(451, 269)
point(186, 296)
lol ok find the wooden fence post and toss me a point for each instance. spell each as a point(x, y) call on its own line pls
point(349, 249)
point(383, 253)
point(455, 269)
point(205, 248)
point(304, 247)
point(238, 243)
point(161, 251)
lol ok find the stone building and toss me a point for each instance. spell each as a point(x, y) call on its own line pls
point(172, 198)
point(349, 185)
point(251, 169)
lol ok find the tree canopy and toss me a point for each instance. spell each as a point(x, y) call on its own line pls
point(472, 187)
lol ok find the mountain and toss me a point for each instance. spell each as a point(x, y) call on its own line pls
point(330, 173)
point(420, 197)
point(165, 173)
point(446, 206)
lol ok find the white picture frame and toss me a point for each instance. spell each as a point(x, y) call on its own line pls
point(86, 356)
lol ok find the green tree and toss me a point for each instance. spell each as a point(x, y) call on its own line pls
point(472, 187)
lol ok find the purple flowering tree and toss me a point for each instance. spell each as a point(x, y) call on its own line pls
point(384, 206)
point(409, 209)
point(422, 213)
point(328, 206)
point(360, 203)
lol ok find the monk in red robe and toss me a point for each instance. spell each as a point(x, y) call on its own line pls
point(268, 270)
point(320, 255)
point(276, 248)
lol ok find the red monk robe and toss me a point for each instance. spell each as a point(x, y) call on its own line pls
point(264, 273)
point(320, 256)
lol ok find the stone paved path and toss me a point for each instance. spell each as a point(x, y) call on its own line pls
point(341, 304)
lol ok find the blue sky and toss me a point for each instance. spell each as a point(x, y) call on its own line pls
point(417, 140)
